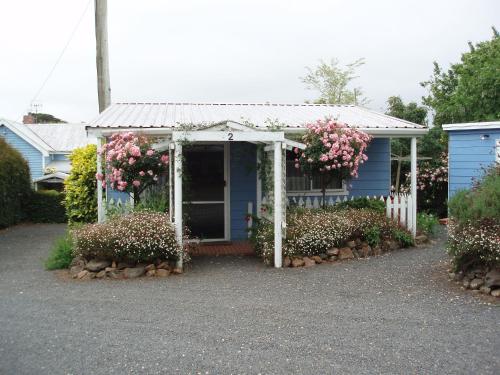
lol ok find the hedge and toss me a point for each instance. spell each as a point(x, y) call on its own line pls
point(15, 185)
point(46, 206)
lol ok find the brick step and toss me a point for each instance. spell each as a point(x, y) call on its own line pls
point(231, 248)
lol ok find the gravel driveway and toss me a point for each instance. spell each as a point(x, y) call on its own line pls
point(391, 314)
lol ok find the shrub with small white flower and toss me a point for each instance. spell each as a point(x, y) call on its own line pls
point(312, 231)
point(136, 237)
point(474, 225)
point(332, 149)
point(132, 163)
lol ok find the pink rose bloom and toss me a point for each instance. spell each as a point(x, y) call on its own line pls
point(164, 159)
point(150, 152)
point(135, 151)
point(136, 183)
point(99, 176)
point(131, 161)
point(142, 173)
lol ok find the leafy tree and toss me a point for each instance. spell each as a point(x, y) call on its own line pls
point(45, 118)
point(332, 82)
point(469, 90)
point(81, 186)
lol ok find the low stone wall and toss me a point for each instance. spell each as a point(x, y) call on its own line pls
point(479, 280)
point(101, 269)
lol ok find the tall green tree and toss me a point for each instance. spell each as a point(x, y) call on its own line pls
point(469, 90)
point(333, 82)
point(46, 118)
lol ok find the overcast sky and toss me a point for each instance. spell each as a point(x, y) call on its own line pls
point(227, 50)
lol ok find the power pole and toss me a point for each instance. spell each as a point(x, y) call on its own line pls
point(102, 57)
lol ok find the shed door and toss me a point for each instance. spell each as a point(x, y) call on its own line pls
point(204, 188)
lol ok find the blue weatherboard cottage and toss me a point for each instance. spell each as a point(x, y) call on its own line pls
point(472, 148)
point(46, 148)
point(222, 149)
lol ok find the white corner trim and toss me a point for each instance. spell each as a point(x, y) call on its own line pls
point(26, 134)
point(488, 125)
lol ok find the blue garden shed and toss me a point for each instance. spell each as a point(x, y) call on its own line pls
point(472, 148)
point(226, 144)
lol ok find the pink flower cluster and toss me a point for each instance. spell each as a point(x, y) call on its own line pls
point(331, 145)
point(429, 176)
point(131, 162)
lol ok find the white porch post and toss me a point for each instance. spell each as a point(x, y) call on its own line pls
point(277, 205)
point(178, 196)
point(170, 187)
point(414, 185)
point(100, 210)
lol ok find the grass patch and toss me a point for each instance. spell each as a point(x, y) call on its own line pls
point(61, 254)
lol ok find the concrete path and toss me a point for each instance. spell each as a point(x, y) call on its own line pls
point(394, 314)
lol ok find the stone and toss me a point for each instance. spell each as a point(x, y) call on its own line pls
point(297, 262)
point(317, 259)
point(420, 239)
point(109, 269)
point(333, 258)
point(366, 251)
point(91, 275)
point(76, 269)
point(476, 283)
point(466, 283)
point(177, 271)
point(150, 273)
point(78, 261)
point(495, 293)
point(116, 274)
point(96, 265)
point(100, 274)
point(355, 252)
point(323, 256)
point(163, 265)
point(287, 262)
point(82, 274)
point(351, 244)
point(150, 267)
point(492, 278)
point(123, 265)
point(332, 251)
point(308, 262)
point(485, 290)
point(357, 241)
point(113, 264)
point(345, 253)
point(377, 250)
point(393, 245)
point(458, 276)
point(470, 275)
point(161, 272)
point(132, 273)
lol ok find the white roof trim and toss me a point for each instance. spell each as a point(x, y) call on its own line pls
point(26, 134)
point(473, 126)
point(60, 175)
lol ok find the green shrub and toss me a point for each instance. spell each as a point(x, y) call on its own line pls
point(312, 232)
point(157, 202)
point(480, 202)
point(134, 237)
point(474, 226)
point(15, 185)
point(403, 237)
point(427, 223)
point(81, 186)
point(46, 206)
point(373, 204)
point(61, 254)
point(373, 236)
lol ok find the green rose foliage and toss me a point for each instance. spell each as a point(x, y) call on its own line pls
point(81, 186)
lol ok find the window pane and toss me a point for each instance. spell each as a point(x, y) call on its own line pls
point(295, 179)
point(335, 183)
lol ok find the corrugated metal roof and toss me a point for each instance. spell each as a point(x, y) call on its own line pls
point(62, 137)
point(171, 115)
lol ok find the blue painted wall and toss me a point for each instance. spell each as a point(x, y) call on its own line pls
point(243, 185)
point(468, 156)
point(30, 153)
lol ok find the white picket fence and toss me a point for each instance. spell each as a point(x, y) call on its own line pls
point(398, 207)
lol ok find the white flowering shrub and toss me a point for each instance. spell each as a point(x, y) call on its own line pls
point(474, 226)
point(311, 232)
point(134, 237)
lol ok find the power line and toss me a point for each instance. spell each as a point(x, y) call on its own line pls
point(62, 52)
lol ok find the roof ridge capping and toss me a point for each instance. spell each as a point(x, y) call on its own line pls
point(256, 104)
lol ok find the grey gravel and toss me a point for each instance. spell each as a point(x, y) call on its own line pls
point(396, 313)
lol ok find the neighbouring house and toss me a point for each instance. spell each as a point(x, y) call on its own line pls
point(472, 148)
point(46, 148)
point(221, 147)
